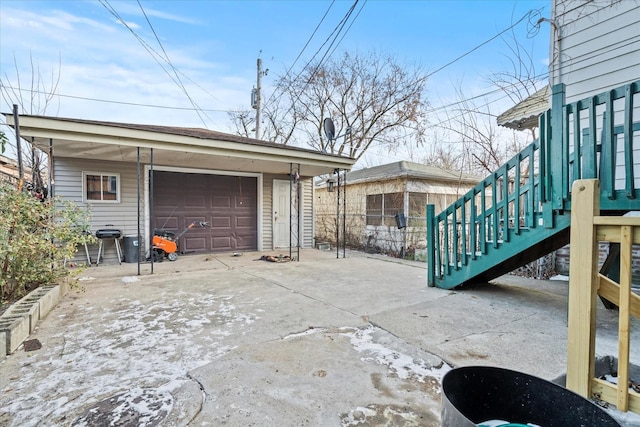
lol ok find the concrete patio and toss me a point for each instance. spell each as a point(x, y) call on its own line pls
point(233, 340)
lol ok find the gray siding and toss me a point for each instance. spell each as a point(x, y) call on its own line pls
point(306, 235)
point(306, 239)
point(123, 215)
point(596, 46)
point(267, 211)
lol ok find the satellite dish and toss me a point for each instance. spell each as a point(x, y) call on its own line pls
point(329, 129)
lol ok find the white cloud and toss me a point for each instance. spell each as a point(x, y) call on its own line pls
point(133, 9)
point(104, 61)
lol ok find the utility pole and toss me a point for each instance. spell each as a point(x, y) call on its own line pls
point(258, 98)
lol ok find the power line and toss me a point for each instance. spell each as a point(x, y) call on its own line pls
point(349, 28)
point(154, 54)
point(482, 44)
point(84, 98)
point(342, 23)
point(491, 92)
point(305, 45)
point(337, 30)
point(175, 71)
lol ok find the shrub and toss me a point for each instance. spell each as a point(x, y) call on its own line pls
point(37, 237)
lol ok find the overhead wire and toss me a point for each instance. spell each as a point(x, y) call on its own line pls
point(352, 21)
point(481, 44)
point(136, 104)
point(154, 54)
point(180, 84)
point(342, 23)
point(491, 92)
point(337, 31)
point(288, 72)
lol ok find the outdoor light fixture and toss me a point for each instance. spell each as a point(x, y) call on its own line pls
point(331, 183)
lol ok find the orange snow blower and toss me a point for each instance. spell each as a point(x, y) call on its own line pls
point(165, 243)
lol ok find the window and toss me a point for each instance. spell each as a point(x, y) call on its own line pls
point(374, 209)
point(101, 187)
point(392, 204)
point(382, 208)
point(417, 209)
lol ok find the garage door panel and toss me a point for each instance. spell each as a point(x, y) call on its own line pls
point(221, 202)
point(195, 183)
point(221, 243)
point(195, 202)
point(167, 223)
point(244, 222)
point(194, 244)
point(221, 222)
point(227, 203)
point(188, 220)
point(245, 242)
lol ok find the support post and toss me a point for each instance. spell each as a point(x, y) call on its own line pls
point(151, 207)
point(290, 204)
point(583, 289)
point(338, 215)
point(624, 325)
point(344, 215)
point(52, 192)
point(557, 159)
point(16, 124)
point(431, 248)
point(138, 196)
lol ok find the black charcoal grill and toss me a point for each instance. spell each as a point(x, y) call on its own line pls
point(109, 233)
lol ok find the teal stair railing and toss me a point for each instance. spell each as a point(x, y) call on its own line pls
point(522, 210)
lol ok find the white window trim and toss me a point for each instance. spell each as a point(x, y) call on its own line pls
point(84, 186)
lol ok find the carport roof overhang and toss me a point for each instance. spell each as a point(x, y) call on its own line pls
point(172, 146)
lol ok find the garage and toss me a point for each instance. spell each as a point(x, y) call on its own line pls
point(228, 203)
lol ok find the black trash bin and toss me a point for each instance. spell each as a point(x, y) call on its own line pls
point(473, 395)
point(131, 248)
point(401, 220)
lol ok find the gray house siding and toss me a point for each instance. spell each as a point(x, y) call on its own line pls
point(267, 210)
point(596, 46)
point(122, 215)
point(306, 233)
point(307, 211)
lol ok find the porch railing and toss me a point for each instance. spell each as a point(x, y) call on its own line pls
point(513, 215)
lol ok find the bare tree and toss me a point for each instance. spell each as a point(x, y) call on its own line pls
point(372, 95)
point(482, 145)
point(34, 97)
point(443, 154)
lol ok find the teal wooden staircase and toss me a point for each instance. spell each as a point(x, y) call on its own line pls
point(522, 211)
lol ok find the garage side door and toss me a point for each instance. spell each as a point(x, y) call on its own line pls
point(227, 203)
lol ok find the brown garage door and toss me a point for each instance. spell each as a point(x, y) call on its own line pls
point(227, 203)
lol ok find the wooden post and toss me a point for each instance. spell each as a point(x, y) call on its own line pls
point(583, 276)
point(624, 325)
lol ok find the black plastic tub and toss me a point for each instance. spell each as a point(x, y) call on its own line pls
point(476, 394)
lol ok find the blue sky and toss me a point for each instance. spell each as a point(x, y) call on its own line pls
point(214, 45)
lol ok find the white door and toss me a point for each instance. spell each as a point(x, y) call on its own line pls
point(281, 213)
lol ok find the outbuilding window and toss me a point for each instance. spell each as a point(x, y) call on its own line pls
point(101, 187)
point(382, 208)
